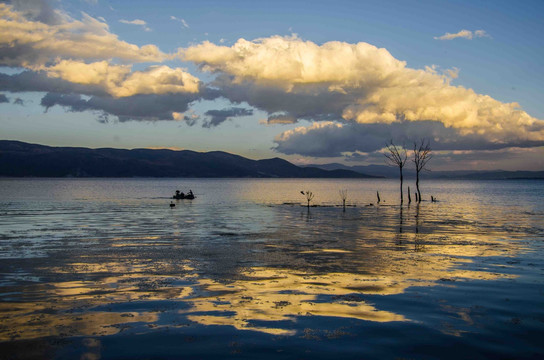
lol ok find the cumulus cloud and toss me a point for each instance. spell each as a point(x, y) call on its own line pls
point(465, 34)
point(324, 139)
point(217, 117)
point(134, 107)
point(311, 102)
point(354, 96)
point(119, 81)
point(356, 84)
point(137, 22)
point(29, 42)
point(67, 49)
point(38, 10)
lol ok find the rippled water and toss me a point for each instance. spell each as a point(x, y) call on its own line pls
point(104, 268)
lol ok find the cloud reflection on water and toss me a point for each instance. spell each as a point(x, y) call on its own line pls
point(294, 273)
point(249, 266)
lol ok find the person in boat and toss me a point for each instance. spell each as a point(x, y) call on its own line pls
point(179, 195)
point(190, 195)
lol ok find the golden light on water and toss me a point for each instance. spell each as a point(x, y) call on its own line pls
point(264, 268)
point(259, 299)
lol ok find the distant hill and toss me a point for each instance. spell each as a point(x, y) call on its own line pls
point(393, 172)
point(19, 159)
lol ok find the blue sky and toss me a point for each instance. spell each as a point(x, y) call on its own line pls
point(453, 89)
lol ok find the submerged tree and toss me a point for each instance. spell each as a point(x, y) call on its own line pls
point(396, 156)
point(343, 195)
point(422, 155)
point(309, 196)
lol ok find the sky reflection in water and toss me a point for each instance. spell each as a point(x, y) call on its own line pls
point(106, 265)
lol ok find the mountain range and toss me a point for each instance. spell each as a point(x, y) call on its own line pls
point(393, 172)
point(20, 159)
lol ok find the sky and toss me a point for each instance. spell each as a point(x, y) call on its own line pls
point(310, 82)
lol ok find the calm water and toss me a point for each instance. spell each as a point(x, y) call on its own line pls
point(104, 268)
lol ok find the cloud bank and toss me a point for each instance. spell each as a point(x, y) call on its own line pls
point(81, 52)
point(356, 85)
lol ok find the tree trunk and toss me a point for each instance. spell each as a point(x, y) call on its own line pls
point(417, 187)
point(401, 194)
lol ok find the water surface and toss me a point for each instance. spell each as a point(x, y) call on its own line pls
point(104, 268)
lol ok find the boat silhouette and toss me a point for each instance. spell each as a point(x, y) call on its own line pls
point(179, 195)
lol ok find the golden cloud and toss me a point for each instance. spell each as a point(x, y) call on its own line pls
point(36, 43)
point(372, 86)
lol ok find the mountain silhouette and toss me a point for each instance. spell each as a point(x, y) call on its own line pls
point(20, 159)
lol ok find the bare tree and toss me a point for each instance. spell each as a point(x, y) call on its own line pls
point(396, 156)
point(309, 196)
point(422, 155)
point(343, 195)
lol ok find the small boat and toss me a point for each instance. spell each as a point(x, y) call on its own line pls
point(179, 195)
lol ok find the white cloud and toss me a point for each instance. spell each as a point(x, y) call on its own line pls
point(138, 22)
point(133, 22)
point(355, 83)
point(466, 34)
point(26, 42)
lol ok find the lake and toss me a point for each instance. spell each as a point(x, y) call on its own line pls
point(105, 269)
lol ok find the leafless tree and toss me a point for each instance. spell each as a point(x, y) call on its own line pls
point(309, 196)
point(343, 195)
point(422, 155)
point(396, 156)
